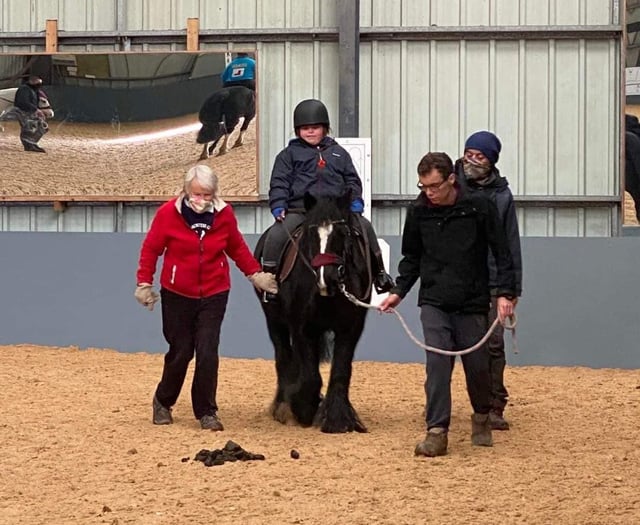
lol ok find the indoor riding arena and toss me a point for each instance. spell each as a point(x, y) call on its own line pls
point(81, 359)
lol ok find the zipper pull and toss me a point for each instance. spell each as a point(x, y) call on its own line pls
point(321, 162)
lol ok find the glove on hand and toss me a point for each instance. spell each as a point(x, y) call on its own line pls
point(264, 281)
point(278, 214)
point(146, 296)
point(357, 206)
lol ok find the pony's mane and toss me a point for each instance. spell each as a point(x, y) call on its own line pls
point(327, 209)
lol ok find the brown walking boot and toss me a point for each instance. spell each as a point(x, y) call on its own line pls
point(481, 430)
point(435, 444)
point(497, 420)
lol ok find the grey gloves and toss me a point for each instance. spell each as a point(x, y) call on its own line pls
point(264, 281)
point(146, 296)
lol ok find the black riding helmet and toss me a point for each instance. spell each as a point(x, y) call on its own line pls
point(310, 111)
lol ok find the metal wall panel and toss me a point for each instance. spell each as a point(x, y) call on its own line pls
point(410, 13)
point(553, 103)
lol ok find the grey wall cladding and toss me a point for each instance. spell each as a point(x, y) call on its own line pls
point(580, 304)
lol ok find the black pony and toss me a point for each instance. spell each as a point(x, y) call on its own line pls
point(312, 318)
point(220, 114)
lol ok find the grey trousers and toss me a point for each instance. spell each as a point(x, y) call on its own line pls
point(454, 331)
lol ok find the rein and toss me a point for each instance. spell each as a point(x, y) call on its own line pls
point(508, 326)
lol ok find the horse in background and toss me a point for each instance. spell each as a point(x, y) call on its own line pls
point(220, 114)
point(312, 319)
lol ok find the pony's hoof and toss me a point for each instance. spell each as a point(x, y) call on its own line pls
point(203, 157)
point(282, 413)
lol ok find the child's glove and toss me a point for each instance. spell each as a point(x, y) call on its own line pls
point(278, 214)
point(357, 206)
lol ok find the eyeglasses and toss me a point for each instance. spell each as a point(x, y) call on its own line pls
point(431, 187)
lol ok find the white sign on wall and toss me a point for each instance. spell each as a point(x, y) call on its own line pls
point(632, 81)
point(360, 151)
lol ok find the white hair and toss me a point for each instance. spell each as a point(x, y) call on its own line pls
point(205, 177)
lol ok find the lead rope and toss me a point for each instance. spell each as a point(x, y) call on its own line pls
point(510, 326)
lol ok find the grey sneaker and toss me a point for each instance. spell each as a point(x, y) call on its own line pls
point(435, 444)
point(481, 430)
point(161, 414)
point(211, 422)
point(497, 421)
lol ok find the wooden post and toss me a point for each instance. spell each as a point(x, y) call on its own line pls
point(59, 206)
point(51, 36)
point(193, 30)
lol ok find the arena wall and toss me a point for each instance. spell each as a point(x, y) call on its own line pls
point(579, 306)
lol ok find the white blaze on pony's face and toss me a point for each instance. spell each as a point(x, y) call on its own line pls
point(324, 231)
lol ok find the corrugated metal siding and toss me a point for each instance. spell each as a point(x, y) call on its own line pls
point(484, 12)
point(552, 102)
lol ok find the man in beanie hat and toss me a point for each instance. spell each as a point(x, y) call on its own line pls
point(477, 172)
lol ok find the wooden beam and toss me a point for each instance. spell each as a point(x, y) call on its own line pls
point(59, 206)
point(26, 199)
point(51, 36)
point(193, 32)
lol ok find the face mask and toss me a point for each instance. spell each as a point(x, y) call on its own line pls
point(473, 170)
point(200, 205)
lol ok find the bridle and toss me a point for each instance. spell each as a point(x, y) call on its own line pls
point(323, 259)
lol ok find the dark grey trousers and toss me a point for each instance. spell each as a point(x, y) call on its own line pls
point(191, 326)
point(454, 331)
point(497, 361)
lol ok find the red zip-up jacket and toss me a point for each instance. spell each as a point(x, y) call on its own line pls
point(194, 267)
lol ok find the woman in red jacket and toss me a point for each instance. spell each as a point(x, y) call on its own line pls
point(195, 232)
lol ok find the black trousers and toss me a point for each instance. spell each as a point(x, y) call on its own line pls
point(191, 326)
point(497, 361)
point(279, 233)
point(454, 331)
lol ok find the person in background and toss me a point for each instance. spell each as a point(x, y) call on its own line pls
point(632, 160)
point(241, 71)
point(445, 244)
point(314, 162)
point(476, 171)
point(195, 232)
point(33, 124)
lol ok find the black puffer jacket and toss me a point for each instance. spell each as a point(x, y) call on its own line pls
point(325, 170)
point(447, 248)
point(499, 192)
point(26, 98)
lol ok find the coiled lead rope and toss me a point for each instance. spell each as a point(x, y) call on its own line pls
point(510, 326)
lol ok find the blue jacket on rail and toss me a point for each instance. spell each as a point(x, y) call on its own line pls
point(325, 170)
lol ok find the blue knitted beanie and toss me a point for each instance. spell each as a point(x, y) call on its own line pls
point(487, 143)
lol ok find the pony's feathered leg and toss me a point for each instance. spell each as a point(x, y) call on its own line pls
point(205, 154)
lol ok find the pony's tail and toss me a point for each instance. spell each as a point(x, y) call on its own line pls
point(326, 350)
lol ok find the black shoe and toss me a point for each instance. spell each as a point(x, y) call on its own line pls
point(161, 414)
point(38, 149)
point(383, 282)
point(211, 422)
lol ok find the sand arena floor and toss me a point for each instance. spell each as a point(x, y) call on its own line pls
point(78, 447)
point(108, 160)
